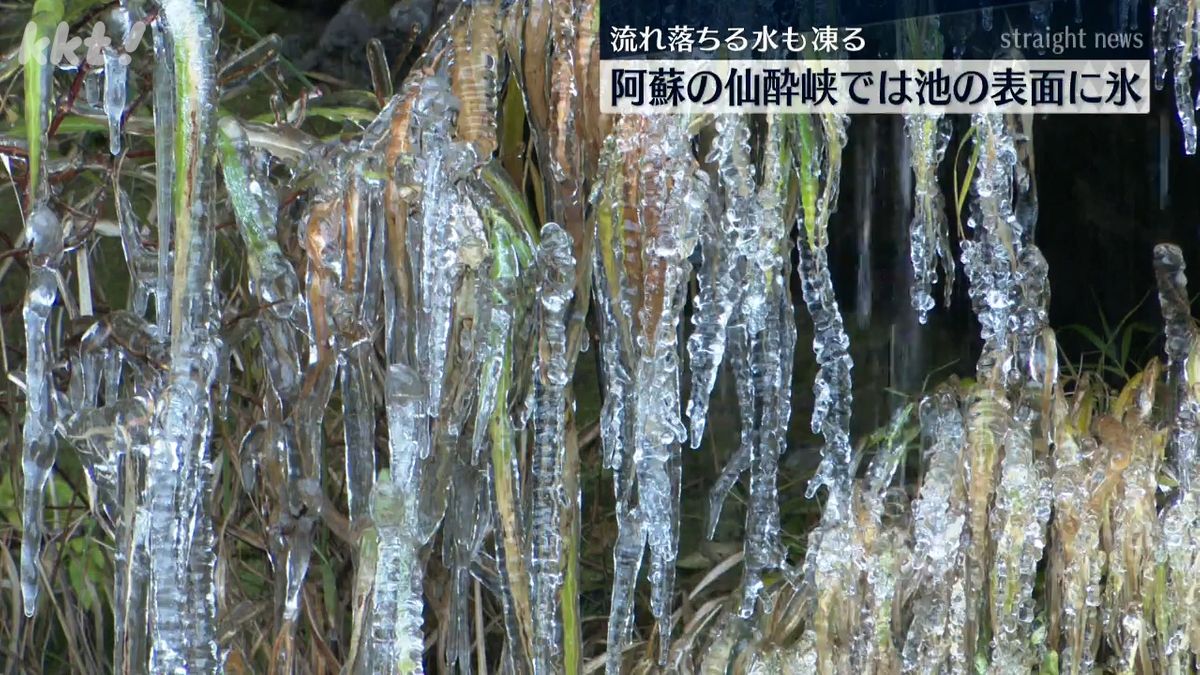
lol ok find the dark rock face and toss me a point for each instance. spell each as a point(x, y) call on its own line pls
point(340, 48)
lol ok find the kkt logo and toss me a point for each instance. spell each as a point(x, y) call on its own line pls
point(63, 50)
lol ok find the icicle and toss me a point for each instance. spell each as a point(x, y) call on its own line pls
point(1170, 270)
point(832, 389)
point(657, 427)
point(642, 252)
point(177, 450)
point(441, 241)
point(1036, 366)
point(1175, 46)
point(935, 640)
point(142, 263)
point(355, 311)
point(504, 486)
point(274, 284)
point(988, 258)
point(737, 464)
point(103, 437)
point(491, 307)
point(468, 519)
point(164, 169)
point(830, 571)
point(504, 312)
point(1018, 522)
point(1160, 39)
point(1181, 337)
point(616, 412)
point(396, 643)
point(131, 562)
point(179, 474)
point(115, 74)
point(1178, 556)
point(496, 326)
point(323, 234)
point(827, 567)
point(987, 419)
point(45, 236)
point(113, 442)
point(273, 281)
point(1078, 503)
point(928, 136)
point(1025, 195)
point(774, 350)
point(763, 349)
point(1184, 102)
point(929, 233)
point(358, 428)
point(763, 368)
point(724, 242)
point(556, 277)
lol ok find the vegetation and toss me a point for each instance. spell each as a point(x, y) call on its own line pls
point(309, 378)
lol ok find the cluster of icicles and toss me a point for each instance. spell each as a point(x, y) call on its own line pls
point(1176, 40)
point(423, 271)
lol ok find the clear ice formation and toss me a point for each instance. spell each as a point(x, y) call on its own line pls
point(929, 235)
point(181, 548)
point(44, 233)
point(411, 230)
point(642, 282)
point(1181, 339)
point(556, 280)
point(1176, 46)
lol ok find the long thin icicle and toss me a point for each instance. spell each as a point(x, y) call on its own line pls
point(116, 73)
point(275, 285)
point(928, 234)
point(183, 605)
point(1181, 335)
point(1177, 44)
point(820, 165)
point(724, 243)
point(1178, 617)
point(165, 168)
point(1078, 501)
point(658, 430)
point(556, 279)
point(988, 257)
point(772, 353)
point(396, 643)
point(44, 234)
point(828, 570)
